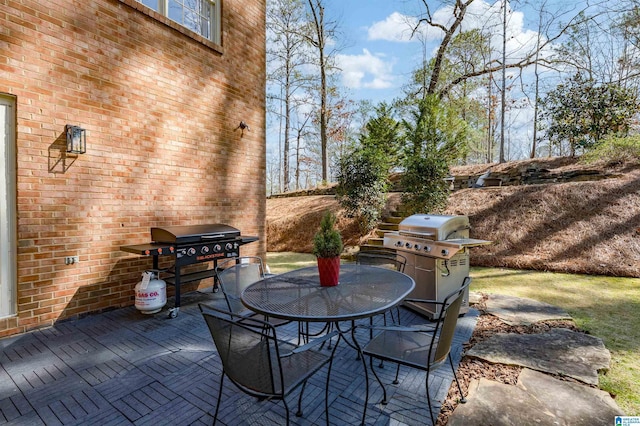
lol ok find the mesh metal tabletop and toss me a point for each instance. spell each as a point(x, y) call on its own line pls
point(362, 291)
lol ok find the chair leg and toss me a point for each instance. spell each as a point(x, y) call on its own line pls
point(301, 333)
point(286, 407)
point(384, 321)
point(396, 381)
point(299, 412)
point(353, 325)
point(455, 376)
point(215, 415)
point(326, 389)
point(384, 390)
point(397, 321)
point(433, 420)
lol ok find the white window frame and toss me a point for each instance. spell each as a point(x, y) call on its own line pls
point(8, 245)
point(206, 7)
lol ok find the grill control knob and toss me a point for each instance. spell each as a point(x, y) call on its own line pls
point(191, 251)
point(204, 249)
point(445, 252)
point(217, 248)
point(408, 245)
point(418, 247)
point(398, 243)
point(427, 249)
point(228, 246)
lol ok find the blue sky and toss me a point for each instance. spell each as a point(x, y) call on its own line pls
point(376, 55)
point(374, 66)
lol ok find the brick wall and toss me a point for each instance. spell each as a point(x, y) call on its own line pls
point(161, 108)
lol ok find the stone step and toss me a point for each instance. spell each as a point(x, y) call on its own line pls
point(372, 247)
point(394, 219)
point(381, 232)
point(385, 226)
point(374, 242)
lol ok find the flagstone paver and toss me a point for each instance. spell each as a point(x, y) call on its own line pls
point(537, 399)
point(522, 311)
point(558, 351)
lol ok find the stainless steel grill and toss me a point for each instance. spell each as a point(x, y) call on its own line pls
point(436, 248)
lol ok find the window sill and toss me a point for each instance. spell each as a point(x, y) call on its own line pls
point(168, 22)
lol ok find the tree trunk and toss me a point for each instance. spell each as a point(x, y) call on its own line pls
point(504, 79)
point(317, 10)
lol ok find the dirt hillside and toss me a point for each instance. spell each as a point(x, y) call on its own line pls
point(588, 227)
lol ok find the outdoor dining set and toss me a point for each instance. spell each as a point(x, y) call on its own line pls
point(244, 325)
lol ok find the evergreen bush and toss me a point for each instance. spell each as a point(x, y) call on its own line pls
point(327, 242)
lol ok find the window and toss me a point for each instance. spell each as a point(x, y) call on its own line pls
point(199, 16)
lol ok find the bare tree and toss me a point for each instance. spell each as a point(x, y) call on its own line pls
point(603, 47)
point(513, 57)
point(287, 57)
point(302, 133)
point(542, 12)
point(503, 92)
point(322, 31)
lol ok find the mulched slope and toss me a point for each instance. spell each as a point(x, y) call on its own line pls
point(581, 227)
point(588, 227)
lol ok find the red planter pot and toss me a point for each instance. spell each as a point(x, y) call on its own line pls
point(329, 270)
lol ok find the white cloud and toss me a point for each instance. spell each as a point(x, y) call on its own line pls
point(366, 71)
point(396, 27)
point(480, 15)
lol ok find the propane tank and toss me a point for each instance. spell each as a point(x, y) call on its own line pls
point(151, 293)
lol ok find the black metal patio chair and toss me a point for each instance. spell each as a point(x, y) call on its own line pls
point(384, 259)
point(422, 347)
point(234, 275)
point(261, 365)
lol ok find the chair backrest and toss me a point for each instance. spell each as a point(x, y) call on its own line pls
point(248, 350)
point(447, 321)
point(385, 259)
point(236, 275)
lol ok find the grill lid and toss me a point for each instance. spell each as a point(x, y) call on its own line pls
point(435, 227)
point(194, 233)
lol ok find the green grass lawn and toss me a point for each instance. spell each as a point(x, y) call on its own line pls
point(606, 307)
point(286, 261)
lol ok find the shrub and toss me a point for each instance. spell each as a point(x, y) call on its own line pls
point(425, 190)
point(362, 184)
point(327, 242)
point(435, 137)
point(614, 149)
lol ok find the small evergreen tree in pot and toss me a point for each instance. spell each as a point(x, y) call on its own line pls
point(327, 247)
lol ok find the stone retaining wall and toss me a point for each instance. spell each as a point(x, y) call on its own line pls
point(530, 176)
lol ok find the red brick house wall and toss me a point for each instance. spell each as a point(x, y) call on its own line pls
point(161, 107)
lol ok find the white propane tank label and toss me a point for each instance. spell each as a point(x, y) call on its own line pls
point(146, 277)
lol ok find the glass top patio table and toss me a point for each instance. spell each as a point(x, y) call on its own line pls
point(363, 291)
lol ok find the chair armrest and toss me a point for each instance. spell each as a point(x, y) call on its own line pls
point(423, 328)
point(311, 344)
point(408, 299)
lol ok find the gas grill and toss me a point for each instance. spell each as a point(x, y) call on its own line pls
point(189, 245)
point(436, 248)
